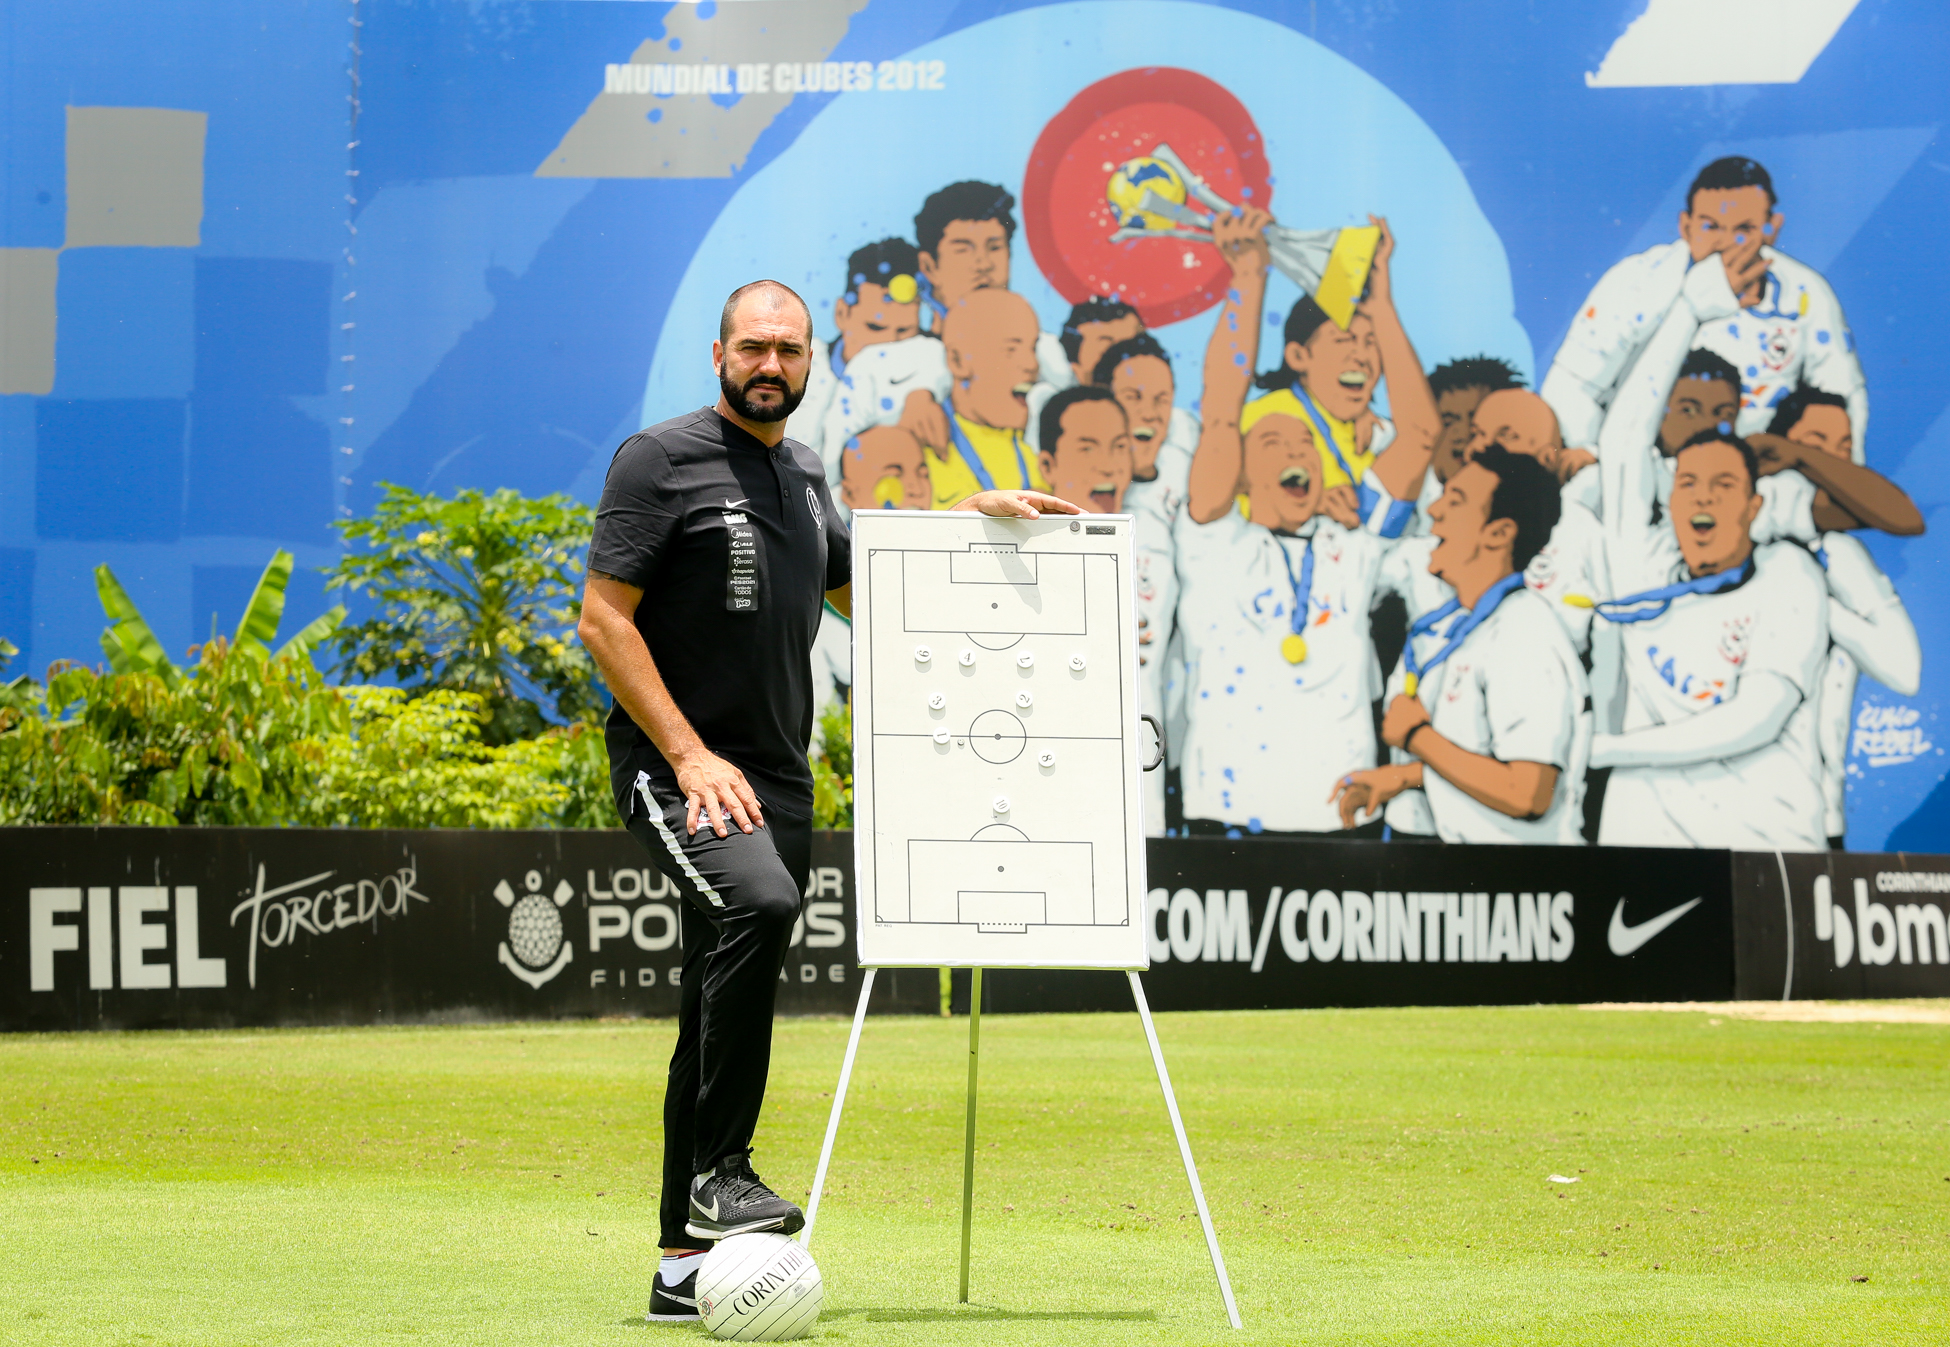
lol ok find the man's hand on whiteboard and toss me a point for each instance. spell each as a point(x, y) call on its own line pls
point(715, 792)
point(1018, 504)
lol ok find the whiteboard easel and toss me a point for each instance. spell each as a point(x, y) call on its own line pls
point(995, 714)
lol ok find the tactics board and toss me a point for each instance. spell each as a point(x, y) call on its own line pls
point(996, 742)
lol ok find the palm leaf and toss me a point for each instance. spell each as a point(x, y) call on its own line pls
point(128, 642)
point(314, 632)
point(266, 607)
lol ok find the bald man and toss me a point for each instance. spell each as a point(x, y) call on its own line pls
point(1569, 571)
point(716, 548)
point(989, 338)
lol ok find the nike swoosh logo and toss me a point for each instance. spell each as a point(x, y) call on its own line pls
point(712, 1210)
point(734, 504)
point(1626, 940)
point(903, 379)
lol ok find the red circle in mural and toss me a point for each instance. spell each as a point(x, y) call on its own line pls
point(1125, 116)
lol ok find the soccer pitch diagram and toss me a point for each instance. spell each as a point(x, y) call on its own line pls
point(996, 741)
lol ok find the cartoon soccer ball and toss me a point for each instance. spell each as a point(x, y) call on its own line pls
point(534, 930)
point(1127, 186)
point(759, 1288)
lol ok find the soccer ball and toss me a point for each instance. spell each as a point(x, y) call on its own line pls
point(1127, 186)
point(759, 1288)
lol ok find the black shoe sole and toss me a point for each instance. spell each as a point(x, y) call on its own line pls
point(789, 1224)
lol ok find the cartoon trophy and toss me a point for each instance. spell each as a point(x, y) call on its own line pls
point(1156, 196)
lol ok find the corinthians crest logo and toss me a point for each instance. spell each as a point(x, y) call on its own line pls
point(535, 950)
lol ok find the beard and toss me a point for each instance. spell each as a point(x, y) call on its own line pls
point(739, 396)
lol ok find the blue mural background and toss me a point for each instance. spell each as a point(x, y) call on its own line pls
point(505, 323)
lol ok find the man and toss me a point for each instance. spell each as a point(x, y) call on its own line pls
point(1326, 381)
point(989, 339)
point(884, 468)
point(1569, 569)
point(964, 232)
point(881, 304)
point(1093, 327)
point(1499, 744)
point(1275, 610)
point(1787, 327)
point(1460, 387)
point(1722, 639)
point(716, 544)
point(1867, 623)
point(881, 468)
point(1089, 455)
point(1802, 490)
point(1138, 374)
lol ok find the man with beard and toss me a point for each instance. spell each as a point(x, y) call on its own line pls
point(1722, 637)
point(1276, 596)
point(1786, 326)
point(879, 304)
point(1489, 705)
point(1138, 374)
point(716, 543)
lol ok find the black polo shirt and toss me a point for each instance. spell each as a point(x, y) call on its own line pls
point(734, 546)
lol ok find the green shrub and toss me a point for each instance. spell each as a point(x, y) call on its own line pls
point(477, 594)
point(831, 758)
point(418, 762)
point(234, 741)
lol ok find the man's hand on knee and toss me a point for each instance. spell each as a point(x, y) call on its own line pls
point(717, 790)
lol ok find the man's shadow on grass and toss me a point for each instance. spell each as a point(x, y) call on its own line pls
point(966, 1314)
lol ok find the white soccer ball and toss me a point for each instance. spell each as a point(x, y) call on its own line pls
point(759, 1288)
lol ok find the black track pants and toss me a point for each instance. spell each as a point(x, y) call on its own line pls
point(747, 888)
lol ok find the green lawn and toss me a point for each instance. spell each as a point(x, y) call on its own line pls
point(1377, 1176)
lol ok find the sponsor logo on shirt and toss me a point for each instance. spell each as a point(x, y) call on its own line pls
point(812, 504)
point(1711, 691)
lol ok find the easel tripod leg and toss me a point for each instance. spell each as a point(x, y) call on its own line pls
point(1184, 1149)
point(968, 1140)
point(839, 1102)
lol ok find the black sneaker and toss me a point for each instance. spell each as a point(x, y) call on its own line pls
point(731, 1200)
point(669, 1304)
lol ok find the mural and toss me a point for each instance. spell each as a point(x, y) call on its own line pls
point(1494, 407)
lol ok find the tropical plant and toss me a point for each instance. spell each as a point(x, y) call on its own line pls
point(233, 740)
point(418, 762)
point(831, 759)
point(132, 647)
point(478, 594)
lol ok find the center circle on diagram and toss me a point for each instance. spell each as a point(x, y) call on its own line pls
point(534, 930)
point(997, 736)
point(994, 640)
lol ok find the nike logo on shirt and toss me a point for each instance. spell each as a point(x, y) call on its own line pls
point(734, 504)
point(1625, 940)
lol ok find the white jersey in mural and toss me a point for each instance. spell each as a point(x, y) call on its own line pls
point(1268, 738)
point(1796, 333)
point(876, 386)
point(1717, 746)
point(1514, 690)
point(1871, 633)
point(1156, 504)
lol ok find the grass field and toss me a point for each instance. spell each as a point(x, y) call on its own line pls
point(1377, 1176)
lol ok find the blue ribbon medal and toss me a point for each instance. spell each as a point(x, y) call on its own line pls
point(1293, 646)
point(1478, 615)
point(1654, 602)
